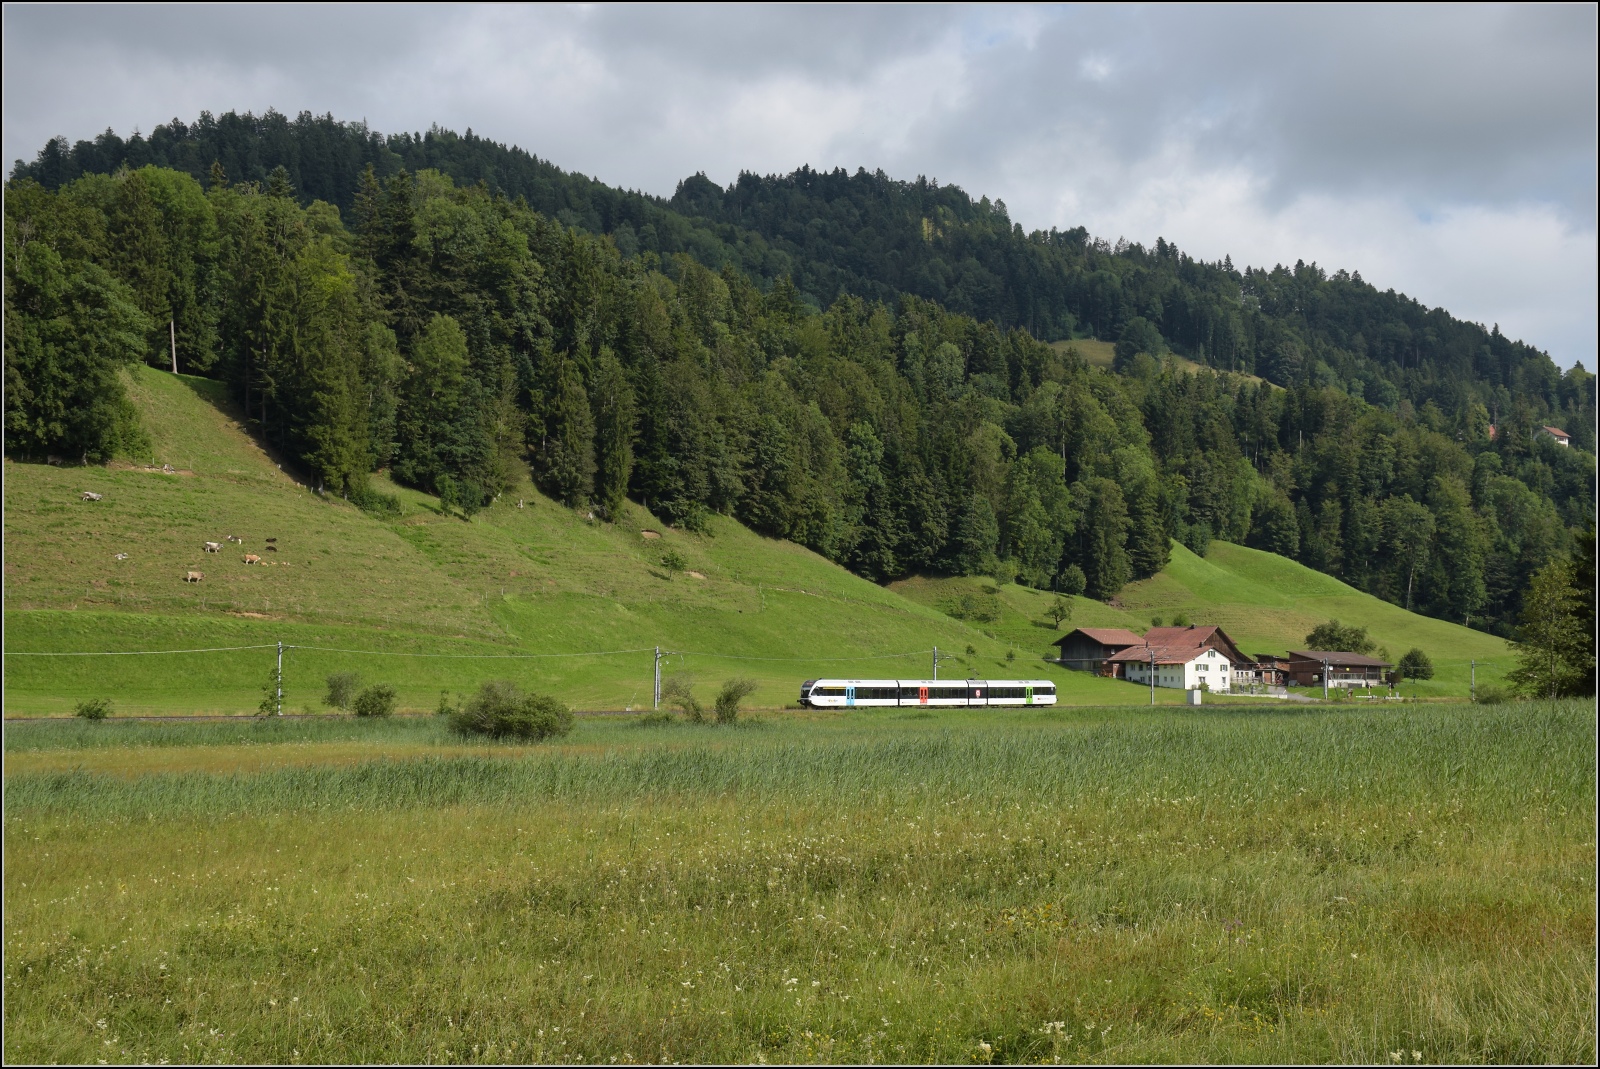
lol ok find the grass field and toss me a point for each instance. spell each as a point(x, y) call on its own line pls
point(429, 602)
point(1412, 883)
point(1102, 354)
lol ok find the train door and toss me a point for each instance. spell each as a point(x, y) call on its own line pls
point(1027, 696)
point(849, 695)
point(922, 695)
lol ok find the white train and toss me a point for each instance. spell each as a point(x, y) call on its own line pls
point(965, 693)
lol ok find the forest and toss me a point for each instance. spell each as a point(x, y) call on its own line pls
point(858, 364)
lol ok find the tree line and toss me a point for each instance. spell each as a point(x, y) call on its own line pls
point(457, 337)
point(876, 238)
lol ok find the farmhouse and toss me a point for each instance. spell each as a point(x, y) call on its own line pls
point(1179, 667)
point(1344, 669)
point(1561, 436)
point(1088, 649)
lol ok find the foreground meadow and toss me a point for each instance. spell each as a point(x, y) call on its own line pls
point(1411, 884)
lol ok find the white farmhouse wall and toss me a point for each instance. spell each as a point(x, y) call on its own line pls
point(1209, 665)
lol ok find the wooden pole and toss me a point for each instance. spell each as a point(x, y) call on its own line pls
point(172, 326)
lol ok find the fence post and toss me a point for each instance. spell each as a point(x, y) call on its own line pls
point(656, 702)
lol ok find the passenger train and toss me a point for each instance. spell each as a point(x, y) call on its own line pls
point(965, 693)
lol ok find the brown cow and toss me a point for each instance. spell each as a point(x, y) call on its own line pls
point(251, 558)
point(194, 577)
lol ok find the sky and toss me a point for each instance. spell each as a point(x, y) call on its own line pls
point(1448, 152)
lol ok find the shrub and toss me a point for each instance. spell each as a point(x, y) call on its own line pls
point(342, 687)
point(1416, 665)
point(1155, 621)
point(732, 693)
point(651, 720)
point(93, 709)
point(1181, 620)
point(1072, 580)
point(1489, 694)
point(445, 705)
point(376, 700)
point(679, 691)
point(1335, 636)
point(501, 710)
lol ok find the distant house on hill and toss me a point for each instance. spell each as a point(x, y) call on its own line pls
point(1178, 667)
point(1344, 669)
point(1561, 436)
point(1087, 649)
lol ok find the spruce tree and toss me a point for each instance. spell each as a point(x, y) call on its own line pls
point(613, 436)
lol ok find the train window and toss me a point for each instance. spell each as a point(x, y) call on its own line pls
point(948, 693)
point(827, 692)
point(1044, 692)
point(877, 693)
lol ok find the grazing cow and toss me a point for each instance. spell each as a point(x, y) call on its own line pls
point(194, 577)
point(120, 556)
point(272, 549)
point(251, 558)
point(90, 495)
point(213, 547)
point(236, 538)
point(272, 540)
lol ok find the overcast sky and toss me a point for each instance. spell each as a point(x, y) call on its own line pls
point(1448, 152)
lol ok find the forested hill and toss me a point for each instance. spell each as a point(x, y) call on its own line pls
point(876, 238)
point(453, 313)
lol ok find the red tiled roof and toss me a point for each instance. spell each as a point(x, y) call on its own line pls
point(1188, 635)
point(1164, 654)
point(1106, 636)
point(1558, 432)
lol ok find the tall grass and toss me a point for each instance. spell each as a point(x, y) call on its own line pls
point(1338, 886)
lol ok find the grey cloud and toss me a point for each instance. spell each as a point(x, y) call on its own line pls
point(1125, 118)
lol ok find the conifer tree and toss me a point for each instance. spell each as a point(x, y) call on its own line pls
point(613, 436)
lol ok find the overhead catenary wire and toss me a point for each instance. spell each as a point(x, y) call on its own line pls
point(466, 656)
point(133, 653)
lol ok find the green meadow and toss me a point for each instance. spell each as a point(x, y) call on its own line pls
point(1411, 884)
point(431, 602)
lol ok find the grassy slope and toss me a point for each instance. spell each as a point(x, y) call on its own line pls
point(1101, 354)
point(1267, 603)
point(541, 579)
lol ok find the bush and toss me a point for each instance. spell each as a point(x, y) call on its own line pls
point(446, 707)
point(342, 687)
point(1489, 694)
point(376, 700)
point(1335, 636)
point(501, 710)
point(732, 693)
point(93, 709)
point(679, 691)
point(651, 720)
point(1072, 580)
point(1416, 665)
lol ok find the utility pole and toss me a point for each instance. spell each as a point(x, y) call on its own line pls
point(172, 325)
point(1472, 685)
point(657, 700)
point(936, 662)
point(1324, 680)
point(1152, 677)
point(280, 677)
